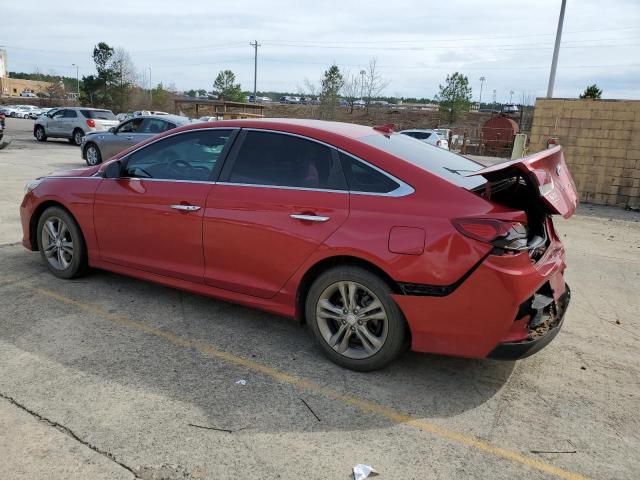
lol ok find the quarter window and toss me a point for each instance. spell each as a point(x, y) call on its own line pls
point(187, 156)
point(267, 158)
point(364, 178)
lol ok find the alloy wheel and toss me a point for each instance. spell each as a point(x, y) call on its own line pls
point(77, 137)
point(352, 320)
point(92, 155)
point(57, 243)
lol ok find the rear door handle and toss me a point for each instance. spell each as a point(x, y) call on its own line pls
point(309, 218)
point(188, 208)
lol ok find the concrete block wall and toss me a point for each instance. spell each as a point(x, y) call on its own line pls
point(601, 142)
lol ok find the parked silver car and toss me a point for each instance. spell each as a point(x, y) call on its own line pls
point(98, 146)
point(73, 123)
point(427, 136)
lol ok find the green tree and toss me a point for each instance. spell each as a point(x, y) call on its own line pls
point(455, 96)
point(226, 87)
point(331, 85)
point(102, 54)
point(592, 91)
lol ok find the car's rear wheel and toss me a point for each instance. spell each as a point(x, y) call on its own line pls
point(92, 155)
point(76, 139)
point(41, 135)
point(351, 314)
point(61, 243)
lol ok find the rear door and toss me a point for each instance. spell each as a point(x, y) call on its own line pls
point(151, 217)
point(278, 198)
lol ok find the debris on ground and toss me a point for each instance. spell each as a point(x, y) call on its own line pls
point(360, 471)
point(310, 409)
point(242, 381)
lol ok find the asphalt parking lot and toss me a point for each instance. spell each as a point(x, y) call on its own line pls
point(110, 377)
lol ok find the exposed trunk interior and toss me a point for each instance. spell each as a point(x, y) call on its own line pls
point(518, 192)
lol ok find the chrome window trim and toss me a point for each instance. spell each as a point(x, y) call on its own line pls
point(173, 135)
point(164, 180)
point(403, 189)
point(64, 178)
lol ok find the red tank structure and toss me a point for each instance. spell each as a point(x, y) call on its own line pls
point(497, 135)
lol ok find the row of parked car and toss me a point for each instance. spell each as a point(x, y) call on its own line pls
point(23, 111)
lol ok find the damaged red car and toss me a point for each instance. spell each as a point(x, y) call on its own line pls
point(377, 241)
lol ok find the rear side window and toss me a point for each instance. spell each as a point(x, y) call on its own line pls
point(420, 135)
point(364, 178)
point(70, 114)
point(98, 114)
point(441, 162)
point(275, 159)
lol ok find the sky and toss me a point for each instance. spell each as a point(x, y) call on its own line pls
point(416, 43)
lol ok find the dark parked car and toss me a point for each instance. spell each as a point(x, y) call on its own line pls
point(99, 146)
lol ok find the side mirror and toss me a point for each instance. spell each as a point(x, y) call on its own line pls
point(112, 130)
point(113, 170)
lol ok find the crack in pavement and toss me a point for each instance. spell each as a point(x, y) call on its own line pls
point(70, 433)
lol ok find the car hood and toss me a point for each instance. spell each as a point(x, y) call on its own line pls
point(76, 172)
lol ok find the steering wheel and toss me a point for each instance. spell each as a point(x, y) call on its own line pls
point(179, 166)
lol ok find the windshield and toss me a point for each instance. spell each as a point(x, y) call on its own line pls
point(441, 162)
point(99, 114)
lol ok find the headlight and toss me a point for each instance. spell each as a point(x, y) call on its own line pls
point(32, 185)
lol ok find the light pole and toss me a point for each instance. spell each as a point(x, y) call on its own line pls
point(494, 98)
point(482, 79)
point(362, 74)
point(150, 89)
point(255, 46)
point(77, 78)
point(556, 51)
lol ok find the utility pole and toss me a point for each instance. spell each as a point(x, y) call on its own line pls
point(77, 78)
point(150, 89)
point(255, 46)
point(482, 79)
point(494, 98)
point(556, 51)
point(362, 74)
point(510, 96)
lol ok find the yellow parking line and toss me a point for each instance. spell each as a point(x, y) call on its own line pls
point(300, 382)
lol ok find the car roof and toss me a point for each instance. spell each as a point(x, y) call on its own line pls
point(423, 130)
point(294, 125)
point(171, 118)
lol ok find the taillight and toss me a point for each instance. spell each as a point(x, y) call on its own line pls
point(91, 123)
point(501, 234)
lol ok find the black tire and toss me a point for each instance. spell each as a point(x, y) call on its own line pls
point(77, 264)
point(40, 133)
point(92, 155)
point(76, 137)
point(396, 330)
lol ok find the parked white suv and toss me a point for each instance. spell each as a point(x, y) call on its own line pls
point(427, 136)
point(73, 123)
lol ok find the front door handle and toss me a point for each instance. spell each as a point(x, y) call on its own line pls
point(187, 208)
point(309, 218)
point(128, 138)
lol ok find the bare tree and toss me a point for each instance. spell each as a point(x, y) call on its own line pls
point(351, 89)
point(125, 76)
point(374, 83)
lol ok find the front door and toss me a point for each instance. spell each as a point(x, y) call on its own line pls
point(279, 197)
point(151, 217)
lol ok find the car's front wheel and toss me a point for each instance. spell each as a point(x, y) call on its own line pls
point(61, 243)
point(351, 314)
point(41, 135)
point(92, 155)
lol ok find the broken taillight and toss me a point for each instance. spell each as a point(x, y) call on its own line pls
point(501, 234)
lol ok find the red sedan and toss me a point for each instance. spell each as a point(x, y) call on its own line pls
point(376, 240)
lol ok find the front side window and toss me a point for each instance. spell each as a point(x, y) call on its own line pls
point(70, 114)
point(132, 126)
point(59, 114)
point(187, 156)
point(274, 159)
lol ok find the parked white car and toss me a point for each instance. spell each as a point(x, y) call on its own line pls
point(427, 136)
